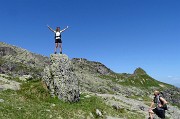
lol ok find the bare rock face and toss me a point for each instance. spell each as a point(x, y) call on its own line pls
point(16, 61)
point(6, 51)
point(60, 78)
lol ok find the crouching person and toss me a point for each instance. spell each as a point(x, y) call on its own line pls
point(160, 106)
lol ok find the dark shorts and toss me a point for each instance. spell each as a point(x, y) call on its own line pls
point(58, 41)
point(159, 113)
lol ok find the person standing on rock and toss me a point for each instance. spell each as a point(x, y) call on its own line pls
point(58, 41)
point(160, 106)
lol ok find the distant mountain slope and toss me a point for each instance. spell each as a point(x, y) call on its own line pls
point(18, 61)
point(139, 79)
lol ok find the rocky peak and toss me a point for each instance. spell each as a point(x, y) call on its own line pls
point(139, 71)
point(91, 66)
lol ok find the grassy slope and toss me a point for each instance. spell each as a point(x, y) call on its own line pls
point(140, 81)
point(34, 102)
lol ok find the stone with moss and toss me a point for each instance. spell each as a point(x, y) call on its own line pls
point(60, 78)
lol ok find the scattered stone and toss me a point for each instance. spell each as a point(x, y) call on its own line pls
point(142, 108)
point(105, 98)
point(117, 107)
point(140, 99)
point(98, 113)
point(1, 100)
point(19, 108)
point(4, 76)
point(25, 78)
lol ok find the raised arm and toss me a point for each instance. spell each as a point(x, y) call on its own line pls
point(50, 28)
point(64, 29)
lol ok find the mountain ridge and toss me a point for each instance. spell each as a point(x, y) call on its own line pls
point(12, 50)
point(95, 79)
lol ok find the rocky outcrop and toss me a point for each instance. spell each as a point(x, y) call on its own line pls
point(91, 66)
point(6, 51)
point(139, 71)
point(25, 78)
point(16, 61)
point(5, 83)
point(60, 78)
point(172, 95)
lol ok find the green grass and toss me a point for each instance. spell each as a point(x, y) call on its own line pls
point(34, 102)
point(1, 62)
point(177, 105)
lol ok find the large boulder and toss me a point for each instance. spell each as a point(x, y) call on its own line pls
point(6, 84)
point(60, 78)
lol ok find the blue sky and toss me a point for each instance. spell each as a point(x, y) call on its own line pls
point(122, 34)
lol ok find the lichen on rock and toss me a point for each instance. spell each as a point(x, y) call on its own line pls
point(60, 78)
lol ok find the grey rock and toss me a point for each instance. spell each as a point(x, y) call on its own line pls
point(25, 77)
point(9, 84)
point(115, 106)
point(91, 66)
point(60, 78)
point(1, 100)
point(142, 108)
point(172, 95)
point(98, 113)
point(7, 51)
